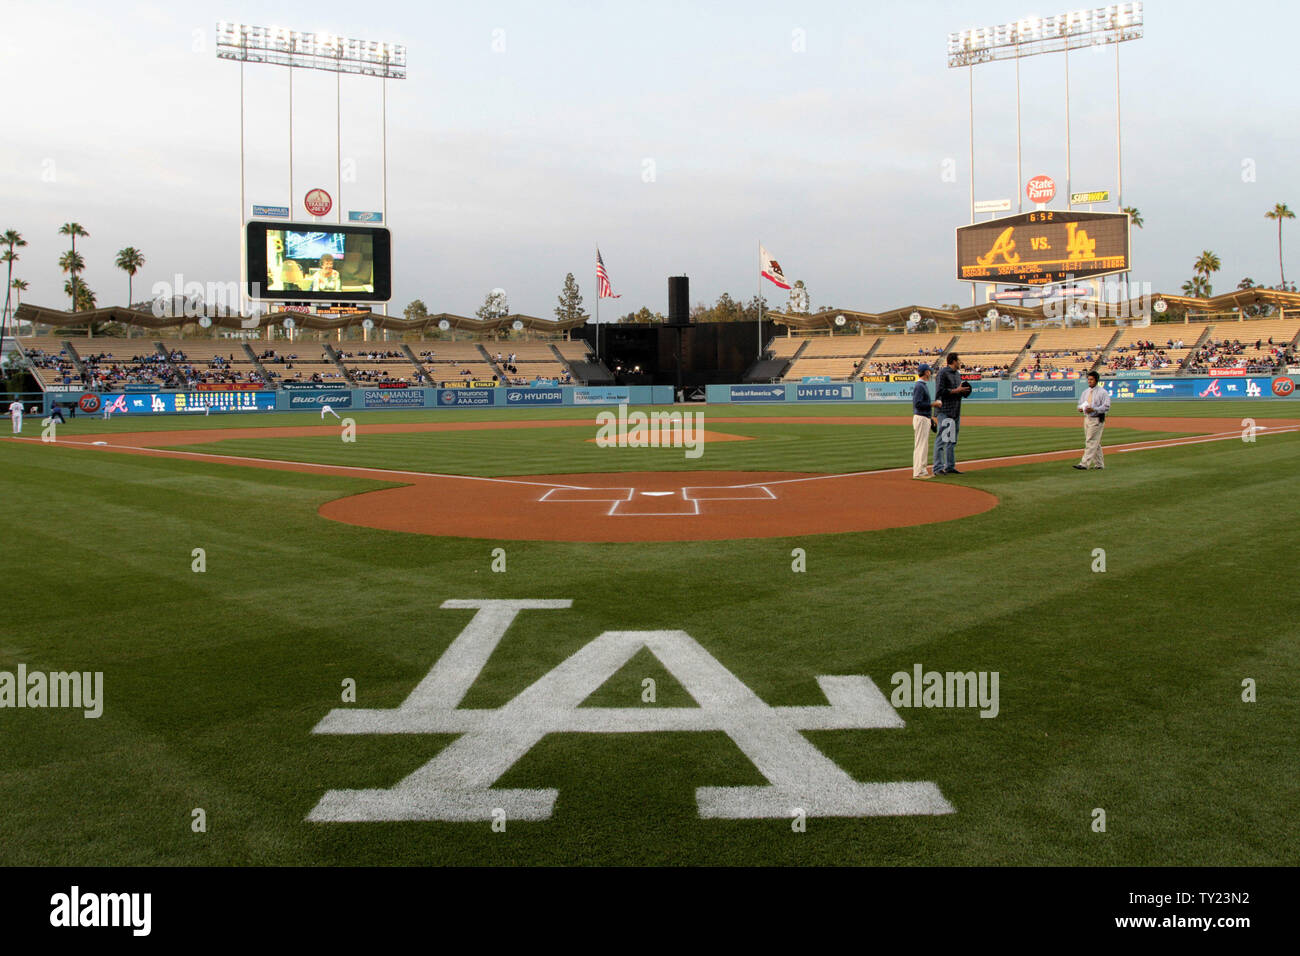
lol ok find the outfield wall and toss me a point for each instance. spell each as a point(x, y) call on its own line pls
point(989, 390)
point(151, 401)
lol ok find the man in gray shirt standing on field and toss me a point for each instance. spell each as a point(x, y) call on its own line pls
point(949, 391)
point(922, 409)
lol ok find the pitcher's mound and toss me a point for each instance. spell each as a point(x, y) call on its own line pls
point(658, 505)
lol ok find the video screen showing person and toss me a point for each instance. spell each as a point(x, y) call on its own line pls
point(319, 261)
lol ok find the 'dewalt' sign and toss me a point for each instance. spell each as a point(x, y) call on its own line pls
point(1042, 247)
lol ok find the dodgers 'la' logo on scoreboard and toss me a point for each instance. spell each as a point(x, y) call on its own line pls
point(457, 784)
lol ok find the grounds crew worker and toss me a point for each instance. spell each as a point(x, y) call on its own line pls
point(1094, 404)
point(922, 423)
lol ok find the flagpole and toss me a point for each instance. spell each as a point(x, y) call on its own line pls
point(760, 300)
point(598, 309)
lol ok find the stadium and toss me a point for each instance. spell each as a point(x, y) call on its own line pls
point(353, 589)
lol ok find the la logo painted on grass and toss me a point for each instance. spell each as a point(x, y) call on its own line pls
point(457, 784)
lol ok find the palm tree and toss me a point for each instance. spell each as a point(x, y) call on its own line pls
point(74, 230)
point(19, 286)
point(72, 263)
point(85, 299)
point(130, 260)
point(1197, 286)
point(1280, 212)
point(13, 239)
point(1206, 263)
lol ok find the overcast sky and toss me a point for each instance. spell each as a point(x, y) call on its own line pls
point(676, 135)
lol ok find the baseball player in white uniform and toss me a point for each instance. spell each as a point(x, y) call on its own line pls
point(16, 414)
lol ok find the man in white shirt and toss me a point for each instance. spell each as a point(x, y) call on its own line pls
point(1094, 404)
point(16, 414)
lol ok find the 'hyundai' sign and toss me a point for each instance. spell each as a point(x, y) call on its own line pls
point(534, 396)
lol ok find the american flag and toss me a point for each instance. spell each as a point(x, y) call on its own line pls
point(603, 288)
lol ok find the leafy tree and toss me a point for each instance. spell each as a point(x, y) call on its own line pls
point(643, 316)
point(800, 302)
point(751, 309)
point(130, 260)
point(416, 309)
point(1280, 212)
point(494, 306)
point(569, 305)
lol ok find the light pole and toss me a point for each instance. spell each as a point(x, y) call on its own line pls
point(295, 50)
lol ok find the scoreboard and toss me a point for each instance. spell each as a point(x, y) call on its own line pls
point(1042, 247)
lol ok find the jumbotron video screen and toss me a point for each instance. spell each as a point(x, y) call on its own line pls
point(338, 263)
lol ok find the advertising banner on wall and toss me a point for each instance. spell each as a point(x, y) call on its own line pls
point(983, 389)
point(461, 397)
point(1042, 389)
point(1232, 388)
point(824, 393)
point(601, 395)
point(394, 398)
point(534, 396)
point(757, 393)
point(888, 391)
point(318, 399)
point(165, 403)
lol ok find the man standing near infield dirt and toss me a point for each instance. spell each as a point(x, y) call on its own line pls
point(922, 408)
point(949, 391)
point(1094, 403)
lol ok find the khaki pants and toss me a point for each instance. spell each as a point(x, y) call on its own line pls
point(920, 445)
point(1092, 456)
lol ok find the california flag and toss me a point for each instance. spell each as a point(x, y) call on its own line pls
point(770, 268)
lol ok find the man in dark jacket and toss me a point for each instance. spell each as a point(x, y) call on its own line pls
point(949, 391)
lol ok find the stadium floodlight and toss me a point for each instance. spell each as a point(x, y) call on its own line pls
point(310, 51)
point(244, 43)
point(1032, 35)
point(1029, 36)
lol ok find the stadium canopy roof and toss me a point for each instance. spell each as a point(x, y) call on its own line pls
point(302, 320)
point(944, 318)
point(954, 318)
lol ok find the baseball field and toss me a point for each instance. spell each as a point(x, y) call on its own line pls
point(484, 638)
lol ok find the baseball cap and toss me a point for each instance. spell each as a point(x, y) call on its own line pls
point(922, 368)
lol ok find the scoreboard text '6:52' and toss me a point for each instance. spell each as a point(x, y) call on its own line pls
point(1043, 247)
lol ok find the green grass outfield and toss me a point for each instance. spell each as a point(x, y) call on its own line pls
point(1118, 690)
